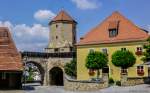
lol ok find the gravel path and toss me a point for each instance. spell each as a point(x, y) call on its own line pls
point(55, 89)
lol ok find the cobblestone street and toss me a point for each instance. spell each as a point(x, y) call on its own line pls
point(54, 89)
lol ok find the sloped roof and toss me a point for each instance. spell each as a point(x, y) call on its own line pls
point(127, 31)
point(63, 16)
point(10, 58)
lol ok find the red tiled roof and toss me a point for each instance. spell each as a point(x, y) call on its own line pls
point(10, 58)
point(63, 16)
point(127, 31)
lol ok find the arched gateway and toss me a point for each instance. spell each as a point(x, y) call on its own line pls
point(56, 76)
point(48, 66)
point(60, 49)
point(33, 72)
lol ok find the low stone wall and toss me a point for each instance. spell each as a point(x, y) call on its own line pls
point(75, 85)
point(133, 81)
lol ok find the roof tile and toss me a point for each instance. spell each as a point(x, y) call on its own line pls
point(127, 31)
point(10, 58)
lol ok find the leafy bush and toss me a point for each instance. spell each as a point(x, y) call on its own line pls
point(118, 83)
point(123, 59)
point(96, 60)
point(71, 68)
point(111, 81)
point(146, 57)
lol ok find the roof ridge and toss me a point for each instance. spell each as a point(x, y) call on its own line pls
point(63, 16)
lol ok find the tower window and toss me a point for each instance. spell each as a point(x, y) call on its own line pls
point(56, 37)
point(56, 25)
point(56, 50)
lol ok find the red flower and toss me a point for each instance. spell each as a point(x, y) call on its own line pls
point(140, 72)
point(138, 53)
point(91, 72)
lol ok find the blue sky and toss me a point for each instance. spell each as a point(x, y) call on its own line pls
point(28, 19)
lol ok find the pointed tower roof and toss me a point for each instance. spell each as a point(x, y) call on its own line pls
point(127, 31)
point(63, 16)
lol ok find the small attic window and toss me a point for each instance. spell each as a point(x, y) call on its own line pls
point(113, 32)
point(113, 28)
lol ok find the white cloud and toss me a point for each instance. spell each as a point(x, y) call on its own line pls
point(31, 38)
point(42, 15)
point(87, 4)
point(148, 26)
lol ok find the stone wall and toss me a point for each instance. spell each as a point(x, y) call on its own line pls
point(77, 85)
point(133, 81)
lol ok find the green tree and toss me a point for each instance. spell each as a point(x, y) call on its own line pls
point(96, 60)
point(123, 59)
point(146, 54)
point(71, 68)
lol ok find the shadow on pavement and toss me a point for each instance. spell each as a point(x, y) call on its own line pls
point(28, 88)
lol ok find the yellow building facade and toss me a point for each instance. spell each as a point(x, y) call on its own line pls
point(128, 37)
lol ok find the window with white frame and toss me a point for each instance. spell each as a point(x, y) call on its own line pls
point(123, 49)
point(91, 50)
point(123, 70)
point(140, 68)
point(113, 32)
point(139, 49)
point(3, 75)
point(105, 51)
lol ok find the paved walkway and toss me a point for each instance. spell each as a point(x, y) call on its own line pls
point(54, 89)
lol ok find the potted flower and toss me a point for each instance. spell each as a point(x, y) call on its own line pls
point(138, 53)
point(91, 72)
point(140, 72)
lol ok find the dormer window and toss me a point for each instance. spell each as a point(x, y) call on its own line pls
point(113, 28)
point(113, 32)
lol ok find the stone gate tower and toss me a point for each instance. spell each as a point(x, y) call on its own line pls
point(62, 33)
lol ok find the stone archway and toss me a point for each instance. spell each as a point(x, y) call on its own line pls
point(34, 71)
point(56, 76)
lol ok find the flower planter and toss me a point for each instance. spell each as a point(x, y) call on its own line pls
point(91, 72)
point(140, 73)
point(138, 53)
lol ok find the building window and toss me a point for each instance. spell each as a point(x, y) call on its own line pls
point(139, 51)
point(105, 69)
point(56, 37)
point(71, 49)
point(3, 75)
point(56, 26)
point(56, 50)
point(123, 49)
point(113, 32)
point(91, 50)
point(123, 71)
point(140, 70)
point(139, 48)
point(62, 49)
point(105, 51)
